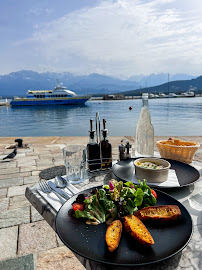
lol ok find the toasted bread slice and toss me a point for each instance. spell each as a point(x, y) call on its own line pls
point(113, 235)
point(163, 212)
point(137, 230)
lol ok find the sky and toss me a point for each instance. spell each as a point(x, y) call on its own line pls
point(120, 38)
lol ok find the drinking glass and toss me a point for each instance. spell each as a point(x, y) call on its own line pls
point(75, 163)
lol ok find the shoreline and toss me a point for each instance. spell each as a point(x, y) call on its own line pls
point(112, 98)
point(114, 140)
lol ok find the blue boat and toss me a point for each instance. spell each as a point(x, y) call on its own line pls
point(59, 96)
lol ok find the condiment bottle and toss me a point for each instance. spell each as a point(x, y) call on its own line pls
point(106, 148)
point(93, 151)
point(144, 133)
point(122, 154)
point(128, 147)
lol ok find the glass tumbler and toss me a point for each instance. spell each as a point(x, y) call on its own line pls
point(75, 163)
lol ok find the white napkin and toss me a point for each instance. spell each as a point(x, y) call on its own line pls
point(172, 180)
point(53, 200)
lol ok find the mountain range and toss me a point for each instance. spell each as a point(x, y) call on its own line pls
point(17, 83)
point(170, 87)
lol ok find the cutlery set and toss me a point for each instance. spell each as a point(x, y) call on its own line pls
point(57, 188)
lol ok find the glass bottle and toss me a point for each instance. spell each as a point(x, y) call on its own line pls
point(93, 151)
point(144, 133)
point(106, 148)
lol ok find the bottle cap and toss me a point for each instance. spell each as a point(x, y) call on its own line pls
point(121, 147)
point(92, 134)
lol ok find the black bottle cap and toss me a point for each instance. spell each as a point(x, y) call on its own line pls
point(92, 134)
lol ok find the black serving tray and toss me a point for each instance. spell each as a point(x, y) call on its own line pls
point(186, 174)
point(88, 241)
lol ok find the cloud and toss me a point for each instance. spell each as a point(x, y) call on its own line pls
point(40, 11)
point(122, 37)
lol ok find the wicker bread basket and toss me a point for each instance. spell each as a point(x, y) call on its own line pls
point(177, 150)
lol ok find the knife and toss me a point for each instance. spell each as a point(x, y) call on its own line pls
point(58, 190)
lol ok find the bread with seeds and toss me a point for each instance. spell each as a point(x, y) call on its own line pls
point(162, 212)
point(113, 235)
point(138, 230)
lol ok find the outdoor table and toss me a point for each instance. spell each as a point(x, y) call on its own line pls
point(190, 196)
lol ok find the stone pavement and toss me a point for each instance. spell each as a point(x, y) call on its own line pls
point(26, 240)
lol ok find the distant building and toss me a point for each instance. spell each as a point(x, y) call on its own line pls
point(113, 97)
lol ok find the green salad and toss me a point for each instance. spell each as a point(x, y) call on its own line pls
point(113, 201)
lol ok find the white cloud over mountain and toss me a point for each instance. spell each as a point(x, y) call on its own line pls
point(122, 37)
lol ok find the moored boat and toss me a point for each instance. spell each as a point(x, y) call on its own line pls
point(172, 95)
point(59, 96)
point(188, 94)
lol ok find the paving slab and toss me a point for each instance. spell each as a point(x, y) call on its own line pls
point(9, 170)
point(14, 175)
point(60, 146)
point(25, 150)
point(28, 158)
point(31, 179)
point(36, 173)
point(11, 182)
point(45, 163)
point(60, 158)
point(41, 168)
point(7, 164)
point(52, 148)
point(57, 163)
point(14, 217)
point(28, 169)
point(36, 236)
point(19, 263)
point(56, 151)
point(35, 216)
point(42, 152)
point(4, 204)
point(32, 154)
point(58, 258)
point(45, 158)
point(28, 163)
point(19, 156)
point(18, 202)
point(8, 245)
point(16, 190)
point(3, 193)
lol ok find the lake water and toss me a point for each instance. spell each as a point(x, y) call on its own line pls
point(170, 116)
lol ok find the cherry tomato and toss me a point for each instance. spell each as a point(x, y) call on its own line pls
point(78, 206)
point(154, 193)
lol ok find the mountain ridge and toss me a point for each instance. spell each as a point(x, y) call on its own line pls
point(17, 83)
point(170, 87)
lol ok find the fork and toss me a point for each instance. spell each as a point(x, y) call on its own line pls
point(46, 189)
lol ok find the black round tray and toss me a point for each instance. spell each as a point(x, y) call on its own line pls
point(186, 174)
point(89, 240)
